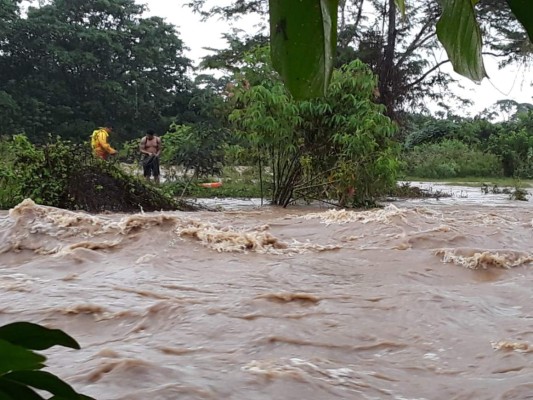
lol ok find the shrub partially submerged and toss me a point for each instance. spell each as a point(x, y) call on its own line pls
point(338, 148)
point(64, 175)
point(107, 188)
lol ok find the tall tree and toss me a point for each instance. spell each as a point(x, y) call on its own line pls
point(9, 14)
point(72, 65)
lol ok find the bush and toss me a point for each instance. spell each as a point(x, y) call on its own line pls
point(64, 175)
point(431, 131)
point(516, 151)
point(8, 184)
point(450, 159)
point(525, 166)
point(338, 147)
point(198, 147)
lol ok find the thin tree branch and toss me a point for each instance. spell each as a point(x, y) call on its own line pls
point(359, 13)
point(488, 53)
point(417, 42)
point(342, 6)
point(417, 81)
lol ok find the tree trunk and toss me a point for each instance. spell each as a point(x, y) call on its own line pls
point(386, 71)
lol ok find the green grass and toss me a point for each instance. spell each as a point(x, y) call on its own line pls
point(228, 189)
point(240, 182)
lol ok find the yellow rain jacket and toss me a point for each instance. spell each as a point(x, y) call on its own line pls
point(99, 144)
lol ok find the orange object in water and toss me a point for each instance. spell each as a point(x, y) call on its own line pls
point(210, 184)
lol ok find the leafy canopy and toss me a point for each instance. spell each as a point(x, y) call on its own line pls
point(70, 66)
point(303, 40)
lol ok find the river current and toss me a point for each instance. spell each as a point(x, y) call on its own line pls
point(426, 299)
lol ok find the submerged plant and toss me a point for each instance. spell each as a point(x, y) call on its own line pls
point(518, 192)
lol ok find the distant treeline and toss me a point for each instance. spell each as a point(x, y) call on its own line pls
point(68, 67)
point(455, 147)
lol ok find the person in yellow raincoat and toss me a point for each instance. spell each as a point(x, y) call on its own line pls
point(99, 143)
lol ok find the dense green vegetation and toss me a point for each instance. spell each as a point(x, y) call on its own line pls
point(66, 175)
point(459, 148)
point(321, 148)
point(67, 67)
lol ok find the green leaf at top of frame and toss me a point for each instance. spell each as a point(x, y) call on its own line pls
point(523, 11)
point(36, 337)
point(458, 31)
point(303, 40)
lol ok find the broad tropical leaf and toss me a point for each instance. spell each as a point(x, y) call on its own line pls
point(19, 365)
point(16, 358)
point(43, 380)
point(16, 391)
point(36, 337)
point(303, 39)
point(523, 11)
point(459, 32)
point(5, 396)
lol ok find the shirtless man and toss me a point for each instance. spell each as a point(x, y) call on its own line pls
point(151, 148)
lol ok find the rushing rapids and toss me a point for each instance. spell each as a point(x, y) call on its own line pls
point(411, 301)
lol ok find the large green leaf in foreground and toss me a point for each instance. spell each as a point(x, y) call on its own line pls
point(13, 357)
point(44, 381)
point(460, 35)
point(523, 11)
point(303, 39)
point(20, 367)
point(36, 337)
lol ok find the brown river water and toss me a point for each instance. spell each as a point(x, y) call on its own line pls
point(416, 300)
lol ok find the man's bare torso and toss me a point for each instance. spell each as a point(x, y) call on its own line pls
point(151, 146)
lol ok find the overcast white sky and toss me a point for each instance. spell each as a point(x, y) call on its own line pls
point(512, 83)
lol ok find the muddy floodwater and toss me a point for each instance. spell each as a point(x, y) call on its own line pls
point(426, 299)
